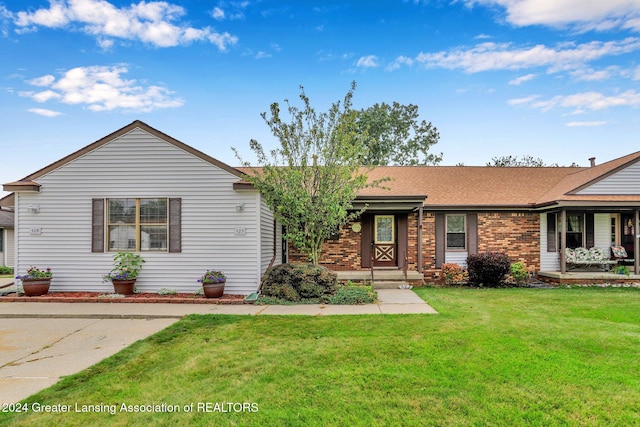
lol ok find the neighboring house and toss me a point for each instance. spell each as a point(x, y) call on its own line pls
point(6, 237)
point(141, 190)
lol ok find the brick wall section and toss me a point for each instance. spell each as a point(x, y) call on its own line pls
point(429, 245)
point(515, 233)
point(338, 255)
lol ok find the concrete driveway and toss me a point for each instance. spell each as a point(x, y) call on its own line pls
point(36, 352)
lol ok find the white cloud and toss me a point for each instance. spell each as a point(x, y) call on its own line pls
point(399, 62)
point(519, 80)
point(370, 61)
point(217, 14)
point(585, 124)
point(42, 80)
point(44, 112)
point(580, 14)
point(101, 88)
point(153, 22)
point(504, 56)
point(523, 101)
point(582, 102)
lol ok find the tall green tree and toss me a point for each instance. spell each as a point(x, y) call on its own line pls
point(524, 161)
point(396, 136)
point(311, 179)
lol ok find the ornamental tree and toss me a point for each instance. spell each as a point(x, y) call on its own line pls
point(396, 136)
point(311, 179)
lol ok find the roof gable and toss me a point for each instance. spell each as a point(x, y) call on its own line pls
point(120, 132)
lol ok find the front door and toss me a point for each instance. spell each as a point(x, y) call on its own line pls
point(384, 241)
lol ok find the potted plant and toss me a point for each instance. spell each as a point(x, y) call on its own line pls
point(36, 282)
point(126, 267)
point(213, 283)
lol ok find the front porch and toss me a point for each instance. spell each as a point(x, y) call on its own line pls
point(587, 278)
point(382, 278)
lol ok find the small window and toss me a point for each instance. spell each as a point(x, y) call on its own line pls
point(456, 232)
point(575, 228)
point(137, 224)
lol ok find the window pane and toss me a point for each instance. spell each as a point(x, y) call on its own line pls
point(384, 229)
point(574, 223)
point(455, 223)
point(122, 211)
point(153, 238)
point(122, 237)
point(455, 240)
point(153, 211)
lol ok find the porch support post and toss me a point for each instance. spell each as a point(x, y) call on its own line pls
point(563, 240)
point(420, 214)
point(636, 244)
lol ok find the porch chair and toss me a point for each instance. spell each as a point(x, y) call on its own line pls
point(619, 254)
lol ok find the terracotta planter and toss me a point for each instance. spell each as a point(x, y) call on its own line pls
point(123, 287)
point(213, 290)
point(36, 287)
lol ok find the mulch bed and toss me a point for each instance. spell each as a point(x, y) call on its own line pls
point(102, 297)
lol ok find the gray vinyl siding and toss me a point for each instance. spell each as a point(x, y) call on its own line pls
point(456, 257)
point(266, 237)
point(549, 261)
point(624, 181)
point(140, 165)
point(9, 247)
point(602, 232)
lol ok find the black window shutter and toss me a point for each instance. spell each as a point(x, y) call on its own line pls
point(175, 225)
point(365, 240)
point(551, 233)
point(97, 225)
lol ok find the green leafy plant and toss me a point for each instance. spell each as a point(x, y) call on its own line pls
point(36, 273)
point(5, 270)
point(213, 276)
point(454, 274)
point(622, 269)
point(167, 291)
point(519, 272)
point(295, 281)
point(351, 294)
point(488, 269)
point(126, 265)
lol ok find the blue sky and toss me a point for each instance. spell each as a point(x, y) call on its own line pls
point(552, 79)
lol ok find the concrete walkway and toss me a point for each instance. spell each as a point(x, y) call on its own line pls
point(390, 301)
point(42, 342)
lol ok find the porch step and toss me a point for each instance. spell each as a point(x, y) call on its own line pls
point(389, 284)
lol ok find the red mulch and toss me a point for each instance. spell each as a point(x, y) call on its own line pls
point(135, 298)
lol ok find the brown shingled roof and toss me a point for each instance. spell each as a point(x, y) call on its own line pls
point(464, 186)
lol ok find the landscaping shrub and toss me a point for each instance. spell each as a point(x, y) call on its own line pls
point(454, 274)
point(295, 281)
point(488, 269)
point(351, 294)
point(5, 270)
point(519, 272)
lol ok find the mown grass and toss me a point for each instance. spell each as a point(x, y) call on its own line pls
point(492, 356)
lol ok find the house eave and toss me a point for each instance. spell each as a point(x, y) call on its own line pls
point(389, 203)
point(22, 187)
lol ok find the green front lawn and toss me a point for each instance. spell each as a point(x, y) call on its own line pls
point(492, 356)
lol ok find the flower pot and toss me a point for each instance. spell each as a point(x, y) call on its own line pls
point(123, 287)
point(213, 290)
point(36, 287)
